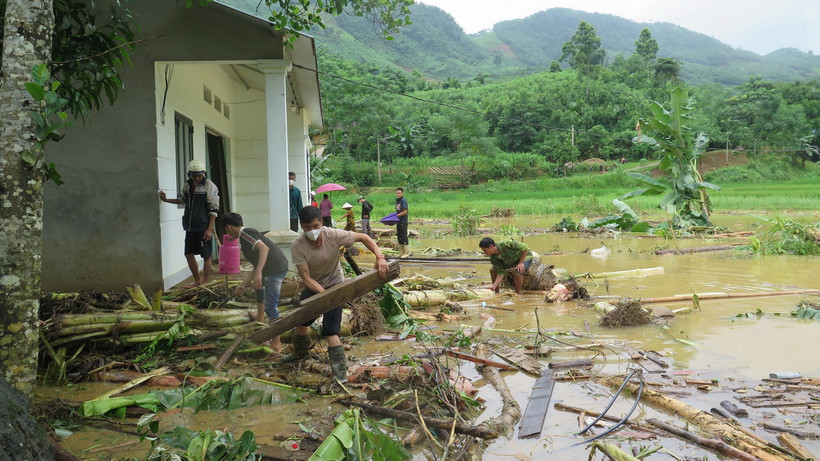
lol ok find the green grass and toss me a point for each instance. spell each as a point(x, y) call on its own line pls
point(566, 196)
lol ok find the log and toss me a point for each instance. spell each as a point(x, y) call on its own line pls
point(326, 301)
point(475, 431)
point(680, 251)
point(713, 444)
point(510, 411)
point(707, 422)
point(796, 447)
point(702, 296)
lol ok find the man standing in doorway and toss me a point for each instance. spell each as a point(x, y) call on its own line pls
point(201, 199)
point(401, 227)
point(366, 209)
point(325, 206)
point(295, 202)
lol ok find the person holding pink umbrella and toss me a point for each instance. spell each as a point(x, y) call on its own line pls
point(325, 206)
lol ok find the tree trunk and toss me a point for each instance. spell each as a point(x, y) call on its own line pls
point(29, 25)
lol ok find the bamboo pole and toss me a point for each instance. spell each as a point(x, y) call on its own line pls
point(680, 251)
point(719, 295)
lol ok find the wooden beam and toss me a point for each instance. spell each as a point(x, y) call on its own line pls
point(326, 301)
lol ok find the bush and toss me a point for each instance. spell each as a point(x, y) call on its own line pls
point(466, 220)
point(733, 174)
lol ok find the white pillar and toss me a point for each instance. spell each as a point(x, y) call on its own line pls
point(297, 151)
point(276, 109)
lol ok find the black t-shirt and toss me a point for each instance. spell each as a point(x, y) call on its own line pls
point(366, 209)
point(276, 262)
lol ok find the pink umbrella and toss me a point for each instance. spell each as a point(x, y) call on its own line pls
point(329, 187)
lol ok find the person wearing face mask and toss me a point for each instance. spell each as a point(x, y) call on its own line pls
point(316, 256)
point(201, 199)
point(295, 202)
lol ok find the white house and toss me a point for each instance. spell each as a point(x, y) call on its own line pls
point(215, 84)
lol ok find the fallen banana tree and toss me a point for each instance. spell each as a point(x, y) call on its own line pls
point(705, 421)
point(428, 298)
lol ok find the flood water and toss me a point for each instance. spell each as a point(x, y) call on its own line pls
point(722, 346)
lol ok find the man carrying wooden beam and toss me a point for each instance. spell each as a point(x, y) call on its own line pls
point(316, 256)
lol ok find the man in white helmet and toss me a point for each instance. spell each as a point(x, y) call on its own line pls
point(201, 199)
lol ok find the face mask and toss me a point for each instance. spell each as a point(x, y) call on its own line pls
point(290, 182)
point(313, 234)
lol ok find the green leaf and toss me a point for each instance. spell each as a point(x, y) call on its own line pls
point(40, 74)
point(36, 91)
point(28, 157)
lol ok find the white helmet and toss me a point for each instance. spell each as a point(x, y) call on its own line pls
point(196, 166)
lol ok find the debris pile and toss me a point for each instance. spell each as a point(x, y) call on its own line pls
point(627, 313)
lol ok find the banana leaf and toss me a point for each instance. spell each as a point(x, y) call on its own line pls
point(357, 438)
point(99, 407)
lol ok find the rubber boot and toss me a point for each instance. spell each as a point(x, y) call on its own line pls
point(338, 363)
point(404, 251)
point(301, 349)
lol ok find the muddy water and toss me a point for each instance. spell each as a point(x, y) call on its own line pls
point(730, 349)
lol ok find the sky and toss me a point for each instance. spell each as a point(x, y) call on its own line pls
point(761, 26)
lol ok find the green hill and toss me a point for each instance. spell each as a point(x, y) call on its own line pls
point(436, 47)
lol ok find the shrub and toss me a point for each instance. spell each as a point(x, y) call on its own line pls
point(466, 220)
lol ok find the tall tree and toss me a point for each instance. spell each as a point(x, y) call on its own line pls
point(28, 29)
point(646, 46)
point(667, 69)
point(583, 51)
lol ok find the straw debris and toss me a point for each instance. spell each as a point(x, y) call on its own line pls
point(627, 313)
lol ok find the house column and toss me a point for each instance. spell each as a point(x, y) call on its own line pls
point(297, 151)
point(276, 109)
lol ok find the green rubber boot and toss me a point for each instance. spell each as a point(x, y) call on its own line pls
point(338, 363)
point(301, 349)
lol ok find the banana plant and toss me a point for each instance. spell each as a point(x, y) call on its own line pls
point(685, 199)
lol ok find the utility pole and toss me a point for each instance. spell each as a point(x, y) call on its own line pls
point(379, 160)
point(727, 147)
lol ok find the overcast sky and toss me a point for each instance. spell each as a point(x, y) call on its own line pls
point(761, 26)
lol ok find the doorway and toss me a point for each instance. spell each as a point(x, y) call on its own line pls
point(219, 167)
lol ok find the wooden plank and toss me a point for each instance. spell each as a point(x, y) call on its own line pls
point(792, 444)
point(536, 412)
point(326, 301)
point(519, 359)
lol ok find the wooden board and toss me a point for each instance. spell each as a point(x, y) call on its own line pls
point(519, 359)
point(326, 301)
point(536, 412)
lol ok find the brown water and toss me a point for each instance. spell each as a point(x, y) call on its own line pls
point(740, 349)
point(729, 348)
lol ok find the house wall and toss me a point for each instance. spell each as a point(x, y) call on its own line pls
point(103, 228)
point(246, 122)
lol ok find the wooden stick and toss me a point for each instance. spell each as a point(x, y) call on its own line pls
point(478, 360)
point(612, 419)
point(713, 444)
point(135, 382)
point(702, 296)
point(229, 352)
point(326, 301)
point(795, 432)
point(580, 363)
point(476, 431)
point(510, 411)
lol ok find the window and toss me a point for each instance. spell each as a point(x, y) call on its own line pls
point(226, 110)
point(184, 132)
point(206, 94)
point(217, 103)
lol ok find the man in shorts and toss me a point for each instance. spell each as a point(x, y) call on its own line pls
point(201, 199)
point(316, 256)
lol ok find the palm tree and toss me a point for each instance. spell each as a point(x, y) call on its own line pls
point(667, 69)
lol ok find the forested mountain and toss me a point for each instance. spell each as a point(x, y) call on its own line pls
point(436, 47)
